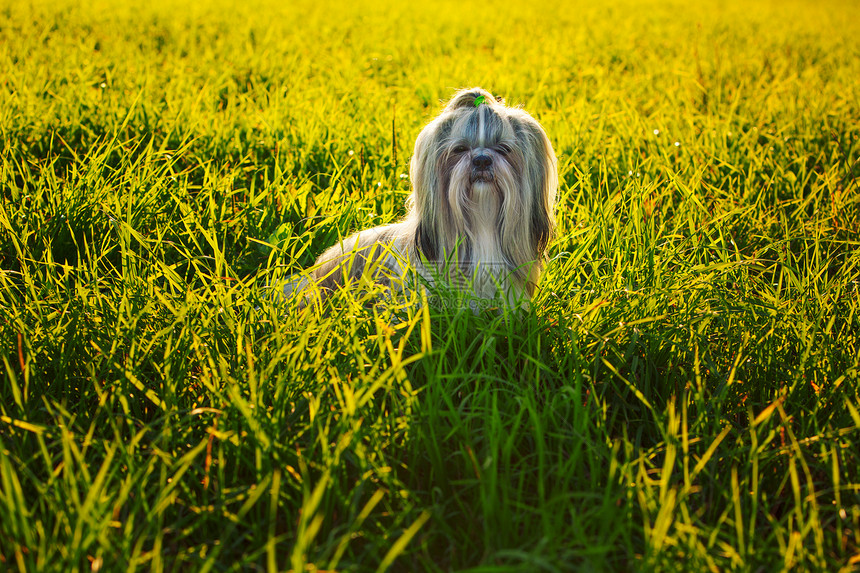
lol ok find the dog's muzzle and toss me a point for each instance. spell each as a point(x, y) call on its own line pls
point(482, 168)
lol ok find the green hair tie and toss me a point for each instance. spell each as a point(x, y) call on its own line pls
point(479, 100)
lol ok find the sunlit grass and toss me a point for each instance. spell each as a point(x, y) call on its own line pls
point(682, 394)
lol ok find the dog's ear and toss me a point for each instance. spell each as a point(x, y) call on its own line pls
point(424, 176)
point(542, 179)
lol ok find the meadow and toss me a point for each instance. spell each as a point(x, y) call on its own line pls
point(682, 394)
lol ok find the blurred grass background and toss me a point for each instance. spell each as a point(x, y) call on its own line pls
point(683, 395)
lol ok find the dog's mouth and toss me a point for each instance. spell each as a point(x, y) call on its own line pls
point(482, 176)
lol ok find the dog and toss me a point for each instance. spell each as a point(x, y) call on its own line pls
point(480, 214)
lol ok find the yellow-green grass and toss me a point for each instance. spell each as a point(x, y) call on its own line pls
point(682, 395)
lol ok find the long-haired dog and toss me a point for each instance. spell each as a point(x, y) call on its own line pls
point(484, 179)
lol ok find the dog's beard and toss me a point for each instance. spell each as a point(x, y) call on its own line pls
point(475, 197)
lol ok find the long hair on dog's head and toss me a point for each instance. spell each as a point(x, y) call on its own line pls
point(484, 179)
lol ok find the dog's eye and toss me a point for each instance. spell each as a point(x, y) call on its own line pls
point(460, 149)
point(504, 148)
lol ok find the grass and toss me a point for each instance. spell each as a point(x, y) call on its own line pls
point(682, 396)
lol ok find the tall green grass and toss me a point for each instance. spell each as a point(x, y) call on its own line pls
point(682, 394)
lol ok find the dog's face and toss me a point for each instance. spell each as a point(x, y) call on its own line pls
point(483, 172)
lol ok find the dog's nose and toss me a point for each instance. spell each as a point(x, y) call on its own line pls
point(482, 161)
